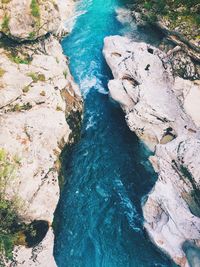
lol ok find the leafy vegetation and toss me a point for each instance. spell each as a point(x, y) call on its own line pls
point(37, 77)
point(5, 24)
point(12, 230)
point(189, 10)
point(8, 214)
point(18, 59)
point(9, 221)
point(35, 9)
point(7, 168)
point(32, 35)
point(18, 107)
point(65, 73)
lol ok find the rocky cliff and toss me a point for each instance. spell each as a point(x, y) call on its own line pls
point(31, 19)
point(163, 110)
point(179, 21)
point(37, 95)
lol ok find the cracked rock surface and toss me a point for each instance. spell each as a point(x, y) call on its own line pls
point(163, 111)
point(29, 19)
point(33, 127)
point(37, 95)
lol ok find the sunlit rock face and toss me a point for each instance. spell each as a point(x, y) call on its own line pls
point(35, 99)
point(30, 19)
point(162, 110)
point(37, 95)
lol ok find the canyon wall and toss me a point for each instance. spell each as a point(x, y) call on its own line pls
point(37, 96)
point(163, 110)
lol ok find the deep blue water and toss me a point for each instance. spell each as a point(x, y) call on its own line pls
point(107, 174)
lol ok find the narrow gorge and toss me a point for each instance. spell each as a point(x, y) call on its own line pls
point(99, 139)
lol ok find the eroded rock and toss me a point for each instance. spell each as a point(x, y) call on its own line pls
point(37, 97)
point(31, 19)
point(34, 128)
point(162, 111)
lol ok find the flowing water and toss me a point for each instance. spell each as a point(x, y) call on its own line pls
point(99, 218)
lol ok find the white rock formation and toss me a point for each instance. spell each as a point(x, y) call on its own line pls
point(37, 93)
point(162, 111)
point(41, 255)
point(34, 100)
point(30, 19)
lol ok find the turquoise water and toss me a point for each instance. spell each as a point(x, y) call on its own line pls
point(107, 173)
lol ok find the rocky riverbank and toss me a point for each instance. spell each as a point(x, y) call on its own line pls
point(37, 96)
point(179, 21)
point(163, 110)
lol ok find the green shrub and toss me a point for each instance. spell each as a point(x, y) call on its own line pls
point(8, 222)
point(19, 60)
point(18, 107)
point(35, 9)
point(32, 35)
point(65, 73)
point(12, 230)
point(160, 6)
point(37, 77)
point(197, 19)
point(7, 168)
point(148, 5)
point(41, 77)
point(8, 215)
point(5, 24)
point(186, 11)
point(150, 18)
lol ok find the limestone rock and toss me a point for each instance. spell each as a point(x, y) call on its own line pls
point(37, 96)
point(188, 93)
point(34, 128)
point(30, 19)
point(39, 256)
point(183, 66)
point(163, 112)
point(182, 32)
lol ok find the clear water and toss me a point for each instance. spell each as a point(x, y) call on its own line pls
point(107, 173)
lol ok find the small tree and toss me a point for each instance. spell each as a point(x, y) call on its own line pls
point(8, 208)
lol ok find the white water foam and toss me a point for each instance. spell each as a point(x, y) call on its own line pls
point(69, 23)
point(100, 88)
point(81, 9)
point(91, 122)
point(87, 84)
point(125, 17)
point(91, 81)
point(130, 210)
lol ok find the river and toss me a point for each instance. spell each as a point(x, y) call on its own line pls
point(99, 217)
